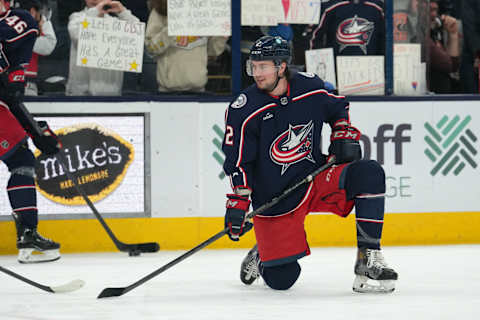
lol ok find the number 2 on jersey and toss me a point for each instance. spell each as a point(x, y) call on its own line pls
point(229, 136)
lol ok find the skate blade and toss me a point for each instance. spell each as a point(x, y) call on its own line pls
point(363, 284)
point(27, 256)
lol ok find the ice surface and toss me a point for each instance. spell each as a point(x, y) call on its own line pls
point(435, 282)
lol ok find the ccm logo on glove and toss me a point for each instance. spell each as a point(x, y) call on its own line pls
point(237, 207)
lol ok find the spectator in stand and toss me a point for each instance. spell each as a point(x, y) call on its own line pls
point(444, 59)
point(469, 72)
point(405, 21)
point(44, 44)
point(144, 82)
point(355, 27)
point(181, 60)
point(92, 81)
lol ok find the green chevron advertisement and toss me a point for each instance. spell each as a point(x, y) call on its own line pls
point(451, 145)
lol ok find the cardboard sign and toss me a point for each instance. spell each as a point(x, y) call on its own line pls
point(261, 12)
point(322, 63)
point(301, 11)
point(409, 74)
point(361, 75)
point(111, 44)
point(199, 17)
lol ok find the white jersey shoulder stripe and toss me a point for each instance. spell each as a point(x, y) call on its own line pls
point(319, 91)
point(22, 35)
point(376, 6)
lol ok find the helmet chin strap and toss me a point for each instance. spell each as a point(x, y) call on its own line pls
point(276, 83)
point(270, 90)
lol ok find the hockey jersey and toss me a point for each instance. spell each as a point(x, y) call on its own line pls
point(18, 32)
point(273, 142)
point(354, 27)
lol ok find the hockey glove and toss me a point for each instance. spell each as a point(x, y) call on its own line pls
point(48, 142)
point(237, 207)
point(12, 86)
point(344, 144)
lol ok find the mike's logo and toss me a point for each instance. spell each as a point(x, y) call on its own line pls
point(451, 145)
point(98, 158)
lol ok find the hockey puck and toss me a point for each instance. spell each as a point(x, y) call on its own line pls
point(134, 253)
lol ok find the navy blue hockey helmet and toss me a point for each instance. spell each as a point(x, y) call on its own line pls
point(271, 48)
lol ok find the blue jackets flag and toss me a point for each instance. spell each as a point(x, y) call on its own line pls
point(351, 27)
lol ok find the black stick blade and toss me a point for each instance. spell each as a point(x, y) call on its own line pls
point(111, 292)
point(148, 247)
point(138, 247)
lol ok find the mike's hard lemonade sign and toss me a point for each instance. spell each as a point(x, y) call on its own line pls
point(97, 157)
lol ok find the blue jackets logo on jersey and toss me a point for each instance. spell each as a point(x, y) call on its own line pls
point(355, 32)
point(293, 145)
point(239, 102)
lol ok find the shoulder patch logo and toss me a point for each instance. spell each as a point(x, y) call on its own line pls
point(240, 102)
point(307, 74)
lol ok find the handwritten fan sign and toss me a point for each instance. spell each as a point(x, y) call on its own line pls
point(111, 44)
point(409, 79)
point(261, 12)
point(301, 11)
point(199, 17)
point(361, 75)
point(322, 63)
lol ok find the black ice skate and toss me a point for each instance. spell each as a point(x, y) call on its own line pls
point(249, 270)
point(30, 240)
point(371, 267)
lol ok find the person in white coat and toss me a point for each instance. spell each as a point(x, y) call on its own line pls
point(92, 81)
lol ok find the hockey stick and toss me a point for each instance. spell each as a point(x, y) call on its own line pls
point(133, 249)
point(115, 292)
point(68, 287)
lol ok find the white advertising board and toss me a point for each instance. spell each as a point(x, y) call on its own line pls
point(199, 17)
point(111, 44)
point(123, 180)
point(429, 150)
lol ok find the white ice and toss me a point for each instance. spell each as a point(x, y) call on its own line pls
point(435, 282)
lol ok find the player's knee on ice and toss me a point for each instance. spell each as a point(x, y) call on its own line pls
point(281, 277)
point(364, 177)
